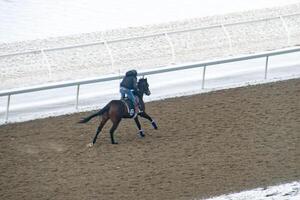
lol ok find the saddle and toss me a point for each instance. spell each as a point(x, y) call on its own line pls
point(130, 106)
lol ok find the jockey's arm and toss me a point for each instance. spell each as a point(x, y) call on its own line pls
point(135, 88)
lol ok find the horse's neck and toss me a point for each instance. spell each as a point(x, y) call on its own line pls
point(141, 101)
point(140, 95)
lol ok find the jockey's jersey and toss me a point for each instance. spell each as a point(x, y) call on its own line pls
point(129, 82)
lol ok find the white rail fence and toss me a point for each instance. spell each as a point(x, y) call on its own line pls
point(204, 65)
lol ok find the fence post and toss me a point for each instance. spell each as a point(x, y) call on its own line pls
point(286, 30)
point(203, 77)
point(45, 61)
point(7, 108)
point(172, 48)
point(77, 96)
point(228, 37)
point(110, 54)
point(266, 66)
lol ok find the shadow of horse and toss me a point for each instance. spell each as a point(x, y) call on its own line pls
point(115, 110)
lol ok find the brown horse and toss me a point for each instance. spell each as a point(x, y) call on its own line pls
point(115, 110)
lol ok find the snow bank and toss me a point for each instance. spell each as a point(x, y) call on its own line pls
point(288, 191)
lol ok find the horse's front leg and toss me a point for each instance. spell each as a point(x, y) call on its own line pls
point(138, 124)
point(146, 116)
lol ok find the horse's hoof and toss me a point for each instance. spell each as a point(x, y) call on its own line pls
point(142, 134)
point(90, 145)
point(115, 143)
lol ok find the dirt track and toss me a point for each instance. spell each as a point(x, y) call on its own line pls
point(207, 144)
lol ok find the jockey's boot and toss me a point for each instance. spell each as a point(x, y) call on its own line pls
point(132, 109)
point(131, 112)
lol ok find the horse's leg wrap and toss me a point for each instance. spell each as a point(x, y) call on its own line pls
point(138, 124)
point(146, 116)
point(154, 124)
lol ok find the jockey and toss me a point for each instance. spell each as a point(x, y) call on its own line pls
point(128, 86)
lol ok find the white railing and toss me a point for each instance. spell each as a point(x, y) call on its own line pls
point(9, 93)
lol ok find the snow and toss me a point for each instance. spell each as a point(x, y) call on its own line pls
point(32, 19)
point(287, 191)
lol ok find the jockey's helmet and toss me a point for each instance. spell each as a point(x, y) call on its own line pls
point(131, 73)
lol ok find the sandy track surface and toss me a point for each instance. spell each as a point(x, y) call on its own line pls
point(206, 145)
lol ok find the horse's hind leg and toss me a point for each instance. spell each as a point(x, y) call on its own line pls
point(146, 116)
point(113, 128)
point(102, 123)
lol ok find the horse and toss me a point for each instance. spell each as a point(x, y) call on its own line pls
point(115, 110)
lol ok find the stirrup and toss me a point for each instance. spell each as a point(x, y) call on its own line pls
point(131, 112)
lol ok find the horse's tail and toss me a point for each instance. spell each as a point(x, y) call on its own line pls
point(100, 112)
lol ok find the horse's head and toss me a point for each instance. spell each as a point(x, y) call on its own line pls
point(144, 86)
